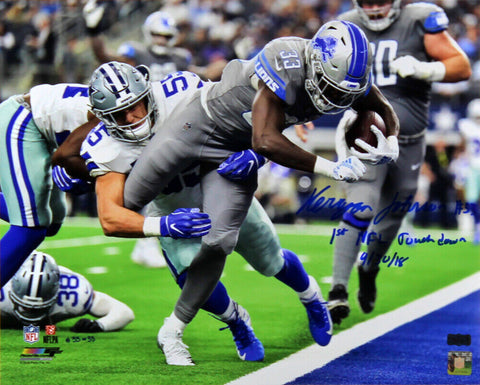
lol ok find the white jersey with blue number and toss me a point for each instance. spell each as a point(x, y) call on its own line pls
point(103, 153)
point(75, 297)
point(58, 109)
point(471, 132)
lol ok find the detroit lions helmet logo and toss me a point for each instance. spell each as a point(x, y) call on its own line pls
point(327, 45)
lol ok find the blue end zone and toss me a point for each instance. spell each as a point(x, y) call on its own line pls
point(415, 353)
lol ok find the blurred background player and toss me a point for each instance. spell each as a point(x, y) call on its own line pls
point(160, 54)
point(412, 49)
point(158, 51)
point(43, 293)
point(470, 130)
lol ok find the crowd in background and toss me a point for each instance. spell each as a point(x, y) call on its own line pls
point(45, 41)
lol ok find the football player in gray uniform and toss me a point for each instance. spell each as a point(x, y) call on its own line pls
point(291, 80)
point(412, 49)
point(43, 293)
point(110, 152)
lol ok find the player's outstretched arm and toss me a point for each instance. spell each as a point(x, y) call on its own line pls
point(114, 315)
point(119, 221)
point(268, 121)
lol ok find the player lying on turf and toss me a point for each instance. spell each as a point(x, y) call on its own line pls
point(43, 293)
point(110, 151)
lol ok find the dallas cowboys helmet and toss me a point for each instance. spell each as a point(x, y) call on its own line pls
point(35, 287)
point(338, 66)
point(473, 110)
point(380, 17)
point(114, 89)
point(159, 31)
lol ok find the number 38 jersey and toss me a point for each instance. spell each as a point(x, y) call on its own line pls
point(104, 154)
point(75, 297)
point(409, 97)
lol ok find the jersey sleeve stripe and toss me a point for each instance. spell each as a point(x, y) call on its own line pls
point(270, 71)
point(436, 22)
point(91, 165)
point(18, 169)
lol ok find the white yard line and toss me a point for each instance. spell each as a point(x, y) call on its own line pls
point(83, 241)
point(315, 356)
point(326, 229)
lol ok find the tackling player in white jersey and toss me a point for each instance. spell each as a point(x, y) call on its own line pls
point(32, 126)
point(159, 53)
point(110, 153)
point(43, 293)
point(470, 130)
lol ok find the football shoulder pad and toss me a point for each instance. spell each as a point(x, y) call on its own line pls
point(102, 153)
point(433, 18)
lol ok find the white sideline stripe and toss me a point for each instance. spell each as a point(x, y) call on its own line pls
point(315, 356)
point(85, 241)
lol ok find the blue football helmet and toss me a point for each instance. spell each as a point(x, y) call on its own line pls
point(338, 66)
point(380, 17)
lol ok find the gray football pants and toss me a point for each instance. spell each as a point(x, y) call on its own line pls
point(378, 188)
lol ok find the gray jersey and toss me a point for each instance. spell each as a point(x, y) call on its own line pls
point(410, 97)
point(168, 60)
point(281, 66)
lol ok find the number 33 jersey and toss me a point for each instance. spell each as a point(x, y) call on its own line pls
point(75, 297)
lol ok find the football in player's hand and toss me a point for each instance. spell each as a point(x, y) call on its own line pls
point(360, 129)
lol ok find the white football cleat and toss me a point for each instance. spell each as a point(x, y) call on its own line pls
point(170, 341)
point(147, 253)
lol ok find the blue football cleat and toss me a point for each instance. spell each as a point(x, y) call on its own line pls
point(249, 347)
point(319, 319)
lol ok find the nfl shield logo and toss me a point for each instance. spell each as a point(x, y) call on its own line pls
point(31, 334)
point(50, 330)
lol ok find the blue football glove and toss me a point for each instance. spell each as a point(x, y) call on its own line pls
point(241, 165)
point(185, 223)
point(68, 184)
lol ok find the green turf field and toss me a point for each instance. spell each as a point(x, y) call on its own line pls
point(131, 356)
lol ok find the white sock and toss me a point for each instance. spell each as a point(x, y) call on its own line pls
point(174, 323)
point(230, 314)
point(311, 294)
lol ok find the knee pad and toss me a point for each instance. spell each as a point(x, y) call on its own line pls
point(361, 224)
